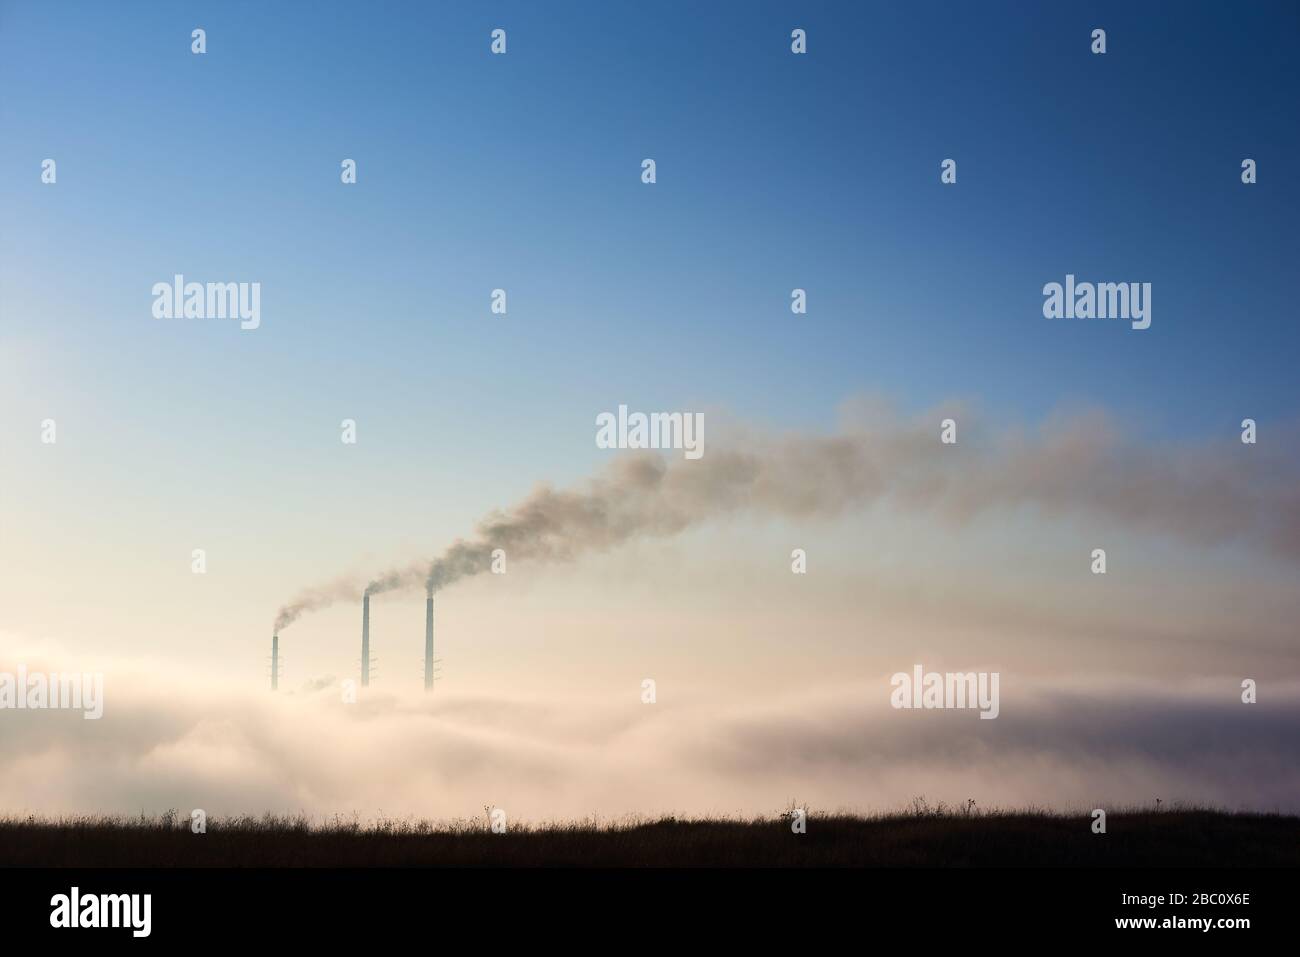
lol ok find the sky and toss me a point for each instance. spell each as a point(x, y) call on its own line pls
point(775, 171)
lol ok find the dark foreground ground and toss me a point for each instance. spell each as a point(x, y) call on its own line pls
point(1011, 839)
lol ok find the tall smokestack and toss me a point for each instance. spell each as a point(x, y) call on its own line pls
point(365, 641)
point(275, 662)
point(428, 643)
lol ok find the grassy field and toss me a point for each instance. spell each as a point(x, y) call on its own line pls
point(926, 837)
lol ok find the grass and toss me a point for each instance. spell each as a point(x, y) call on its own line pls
point(924, 836)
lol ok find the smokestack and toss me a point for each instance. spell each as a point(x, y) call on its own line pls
point(275, 662)
point(428, 643)
point(365, 641)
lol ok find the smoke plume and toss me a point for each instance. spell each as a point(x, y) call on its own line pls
point(1206, 494)
point(314, 599)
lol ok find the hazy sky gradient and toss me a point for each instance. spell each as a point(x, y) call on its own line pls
point(774, 172)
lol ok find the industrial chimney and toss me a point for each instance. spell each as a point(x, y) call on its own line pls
point(428, 643)
point(365, 640)
point(275, 662)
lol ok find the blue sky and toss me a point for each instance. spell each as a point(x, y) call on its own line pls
point(521, 171)
point(775, 171)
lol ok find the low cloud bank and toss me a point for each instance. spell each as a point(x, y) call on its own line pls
point(160, 745)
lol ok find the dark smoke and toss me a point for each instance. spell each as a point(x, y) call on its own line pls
point(314, 599)
point(1202, 494)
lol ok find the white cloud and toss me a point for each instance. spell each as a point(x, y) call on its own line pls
point(162, 744)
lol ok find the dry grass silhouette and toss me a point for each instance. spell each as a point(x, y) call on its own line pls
point(924, 836)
